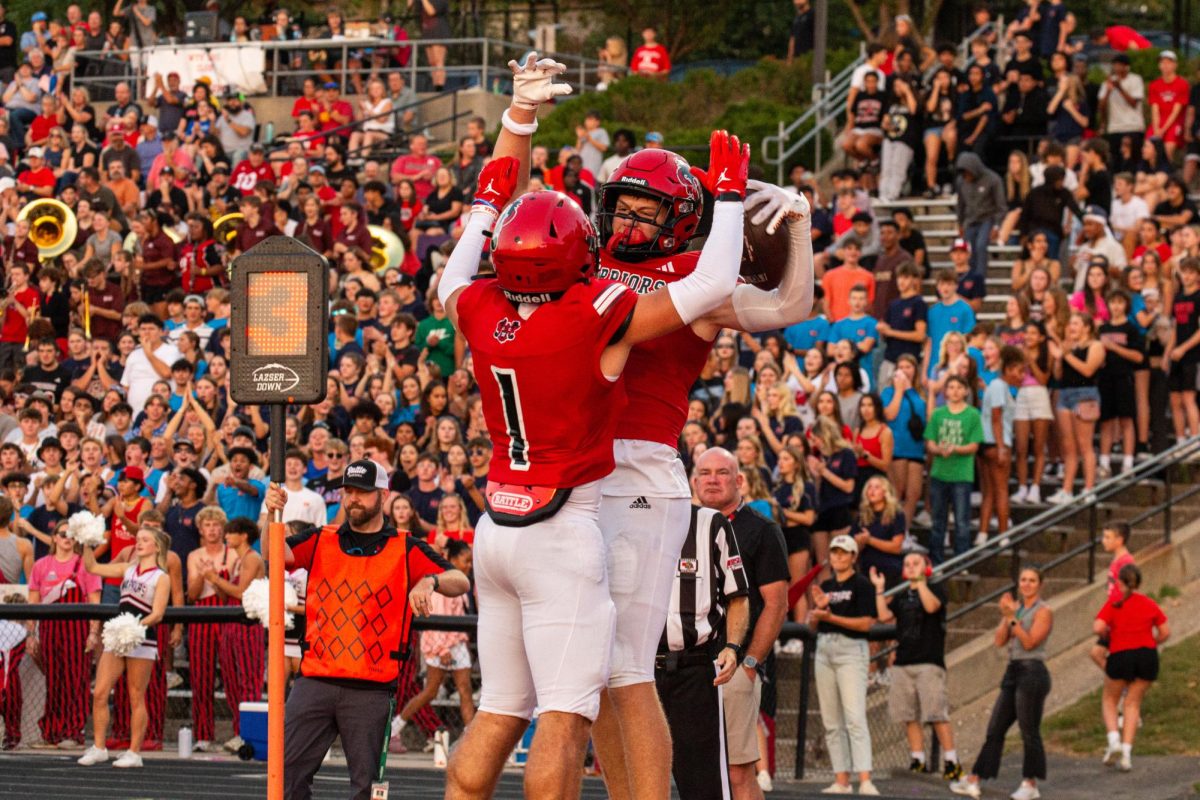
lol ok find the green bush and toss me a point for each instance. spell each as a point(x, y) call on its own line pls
point(750, 103)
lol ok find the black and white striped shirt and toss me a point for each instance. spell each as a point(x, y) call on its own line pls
point(708, 575)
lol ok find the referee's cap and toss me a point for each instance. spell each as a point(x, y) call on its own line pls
point(844, 542)
point(367, 475)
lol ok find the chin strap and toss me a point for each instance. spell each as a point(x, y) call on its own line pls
point(758, 310)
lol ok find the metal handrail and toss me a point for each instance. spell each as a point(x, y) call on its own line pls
point(1012, 539)
point(831, 96)
point(490, 73)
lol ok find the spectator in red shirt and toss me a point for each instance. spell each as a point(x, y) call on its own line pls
point(16, 308)
point(1135, 626)
point(308, 101)
point(334, 111)
point(255, 226)
point(38, 180)
point(38, 133)
point(353, 231)
point(651, 59)
point(255, 168)
point(417, 166)
point(1168, 99)
point(1120, 38)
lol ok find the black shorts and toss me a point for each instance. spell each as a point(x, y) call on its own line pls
point(1102, 641)
point(1182, 378)
point(154, 294)
point(834, 519)
point(798, 539)
point(1129, 665)
point(1117, 398)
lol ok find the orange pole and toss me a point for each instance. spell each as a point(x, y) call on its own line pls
point(277, 665)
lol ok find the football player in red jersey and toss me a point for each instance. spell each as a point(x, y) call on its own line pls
point(549, 343)
point(649, 211)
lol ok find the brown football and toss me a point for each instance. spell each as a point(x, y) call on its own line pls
point(764, 255)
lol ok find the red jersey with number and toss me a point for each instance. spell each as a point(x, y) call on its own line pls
point(246, 176)
point(550, 411)
point(659, 373)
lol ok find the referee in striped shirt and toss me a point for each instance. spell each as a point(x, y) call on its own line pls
point(699, 651)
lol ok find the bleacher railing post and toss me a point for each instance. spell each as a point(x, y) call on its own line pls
point(806, 673)
point(1092, 522)
point(1167, 509)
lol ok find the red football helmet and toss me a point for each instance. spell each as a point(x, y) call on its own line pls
point(662, 176)
point(543, 244)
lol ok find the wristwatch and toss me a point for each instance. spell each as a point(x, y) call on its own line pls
point(751, 662)
point(737, 649)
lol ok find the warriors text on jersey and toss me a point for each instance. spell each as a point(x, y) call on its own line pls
point(550, 411)
point(660, 372)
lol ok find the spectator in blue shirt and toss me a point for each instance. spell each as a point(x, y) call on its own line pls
point(906, 327)
point(859, 327)
point(950, 313)
point(804, 336)
point(240, 495)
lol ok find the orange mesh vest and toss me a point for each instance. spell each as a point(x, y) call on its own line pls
point(355, 611)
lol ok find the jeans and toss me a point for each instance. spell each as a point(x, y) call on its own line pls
point(893, 169)
point(941, 495)
point(1022, 698)
point(979, 234)
point(841, 674)
point(1053, 242)
point(18, 120)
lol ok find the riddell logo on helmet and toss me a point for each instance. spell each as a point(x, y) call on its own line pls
point(511, 502)
point(633, 180)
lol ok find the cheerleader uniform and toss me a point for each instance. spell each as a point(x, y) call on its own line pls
point(203, 648)
point(137, 598)
point(12, 651)
point(241, 656)
point(65, 661)
point(298, 580)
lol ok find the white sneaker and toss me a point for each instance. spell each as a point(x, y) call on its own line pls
point(1035, 494)
point(764, 781)
point(923, 519)
point(1111, 754)
point(1126, 763)
point(981, 538)
point(94, 755)
point(1021, 496)
point(234, 744)
point(128, 760)
point(976, 499)
point(174, 680)
point(1060, 498)
point(68, 744)
point(965, 787)
point(838, 788)
point(1026, 791)
point(866, 787)
point(203, 746)
point(1104, 470)
point(793, 647)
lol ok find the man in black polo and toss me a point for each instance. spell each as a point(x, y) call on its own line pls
point(719, 486)
point(706, 623)
point(356, 627)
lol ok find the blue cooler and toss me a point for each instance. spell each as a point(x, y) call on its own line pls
point(521, 754)
point(254, 730)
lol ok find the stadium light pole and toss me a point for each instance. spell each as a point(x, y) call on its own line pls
point(279, 356)
point(820, 40)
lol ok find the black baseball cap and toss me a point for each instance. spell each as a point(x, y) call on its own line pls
point(367, 475)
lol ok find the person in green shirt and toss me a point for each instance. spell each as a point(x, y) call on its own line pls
point(435, 334)
point(952, 436)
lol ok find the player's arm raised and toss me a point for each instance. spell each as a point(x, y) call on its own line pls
point(533, 84)
point(683, 302)
point(752, 309)
point(497, 183)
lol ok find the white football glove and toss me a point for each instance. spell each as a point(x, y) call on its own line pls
point(774, 204)
point(533, 82)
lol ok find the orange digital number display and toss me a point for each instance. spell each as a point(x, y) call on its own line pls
point(277, 319)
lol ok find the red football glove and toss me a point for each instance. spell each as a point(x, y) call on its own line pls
point(497, 183)
point(728, 166)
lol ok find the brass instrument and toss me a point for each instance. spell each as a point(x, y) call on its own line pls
point(387, 249)
point(131, 239)
point(52, 226)
point(225, 228)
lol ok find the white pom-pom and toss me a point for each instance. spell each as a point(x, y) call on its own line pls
point(122, 634)
point(256, 601)
point(86, 528)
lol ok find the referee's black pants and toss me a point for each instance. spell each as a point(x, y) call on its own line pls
point(696, 717)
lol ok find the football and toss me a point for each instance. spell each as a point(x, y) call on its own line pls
point(764, 255)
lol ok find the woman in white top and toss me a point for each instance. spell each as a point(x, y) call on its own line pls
point(375, 128)
point(145, 590)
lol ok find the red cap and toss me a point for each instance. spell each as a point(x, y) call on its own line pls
point(134, 474)
point(960, 244)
